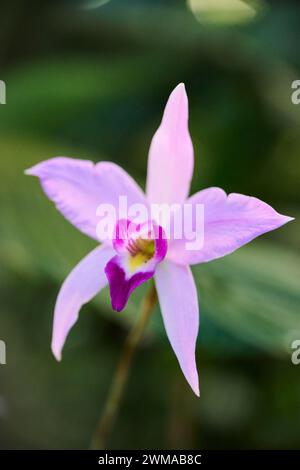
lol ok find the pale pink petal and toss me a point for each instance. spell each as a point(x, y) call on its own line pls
point(171, 158)
point(82, 284)
point(229, 223)
point(178, 300)
point(78, 187)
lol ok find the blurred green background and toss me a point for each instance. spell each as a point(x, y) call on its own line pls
point(89, 79)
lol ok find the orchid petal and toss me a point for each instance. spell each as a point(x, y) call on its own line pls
point(120, 286)
point(81, 285)
point(177, 296)
point(171, 157)
point(139, 247)
point(78, 187)
point(229, 223)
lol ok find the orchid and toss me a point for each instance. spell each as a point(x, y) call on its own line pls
point(134, 255)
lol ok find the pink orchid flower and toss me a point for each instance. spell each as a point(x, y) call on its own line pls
point(78, 187)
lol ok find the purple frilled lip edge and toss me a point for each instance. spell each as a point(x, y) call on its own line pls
point(78, 187)
point(137, 257)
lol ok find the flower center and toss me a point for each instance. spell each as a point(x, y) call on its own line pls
point(140, 251)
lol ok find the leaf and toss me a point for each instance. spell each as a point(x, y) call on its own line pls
point(254, 295)
point(220, 12)
point(47, 98)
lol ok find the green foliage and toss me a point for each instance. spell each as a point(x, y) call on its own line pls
point(98, 92)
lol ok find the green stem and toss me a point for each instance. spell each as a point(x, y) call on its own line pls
point(117, 388)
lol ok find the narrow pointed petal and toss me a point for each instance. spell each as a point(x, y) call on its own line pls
point(178, 300)
point(171, 156)
point(78, 187)
point(82, 284)
point(230, 221)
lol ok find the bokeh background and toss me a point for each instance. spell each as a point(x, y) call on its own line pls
point(89, 79)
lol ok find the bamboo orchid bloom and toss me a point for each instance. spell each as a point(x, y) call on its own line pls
point(131, 257)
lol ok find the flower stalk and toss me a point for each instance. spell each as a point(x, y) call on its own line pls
point(117, 388)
